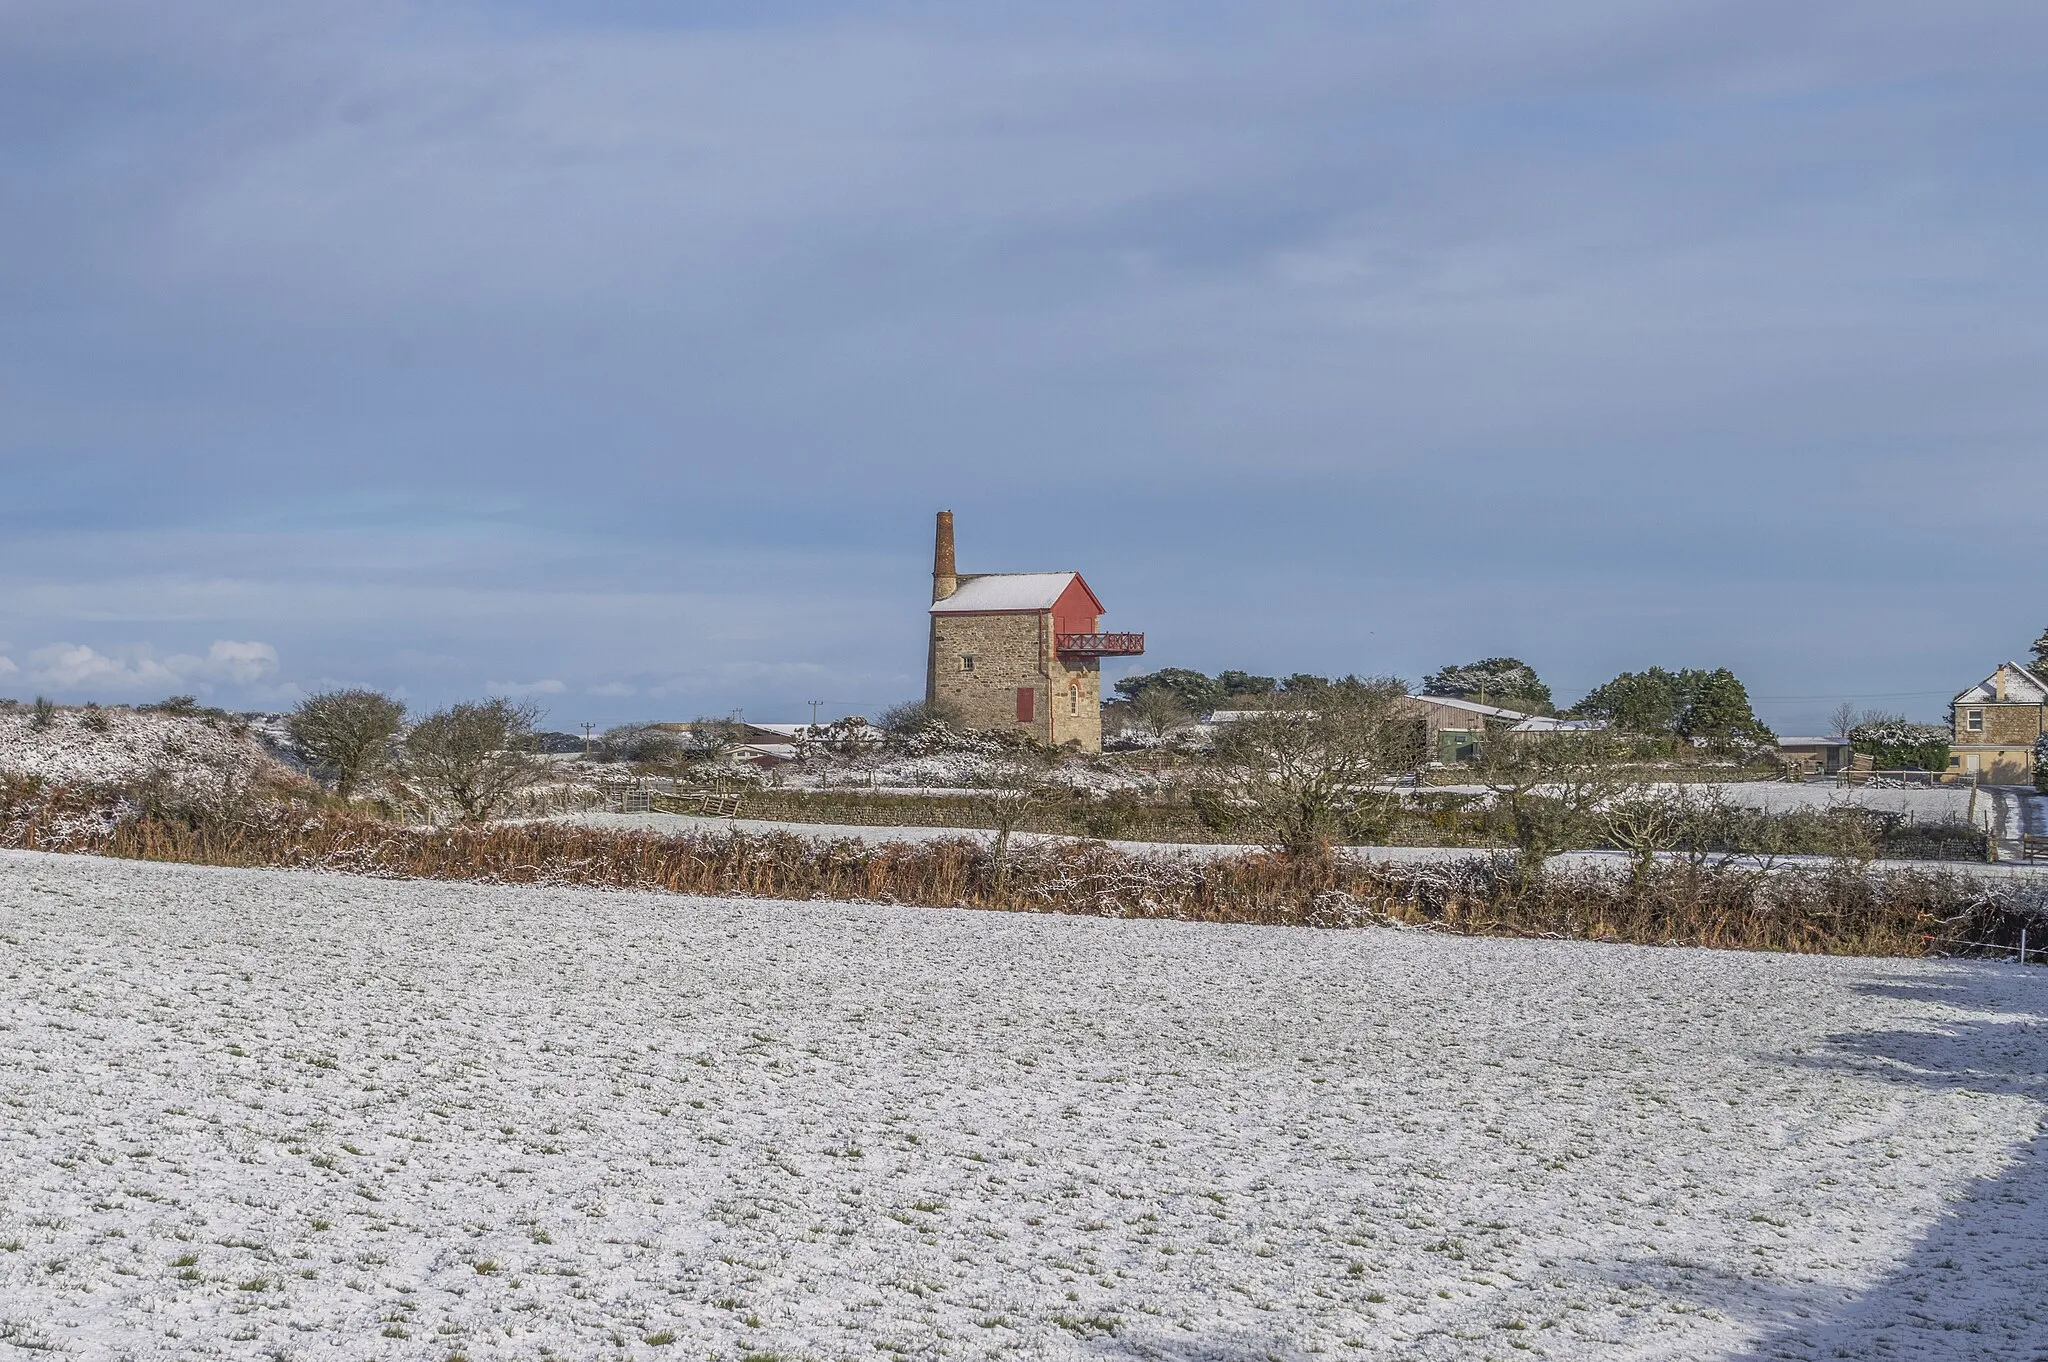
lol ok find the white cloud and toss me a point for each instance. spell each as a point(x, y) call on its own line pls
point(550, 686)
point(241, 663)
point(1189, 261)
point(7, 666)
point(80, 667)
point(612, 688)
point(72, 666)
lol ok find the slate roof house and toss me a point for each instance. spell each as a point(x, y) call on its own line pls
point(1997, 723)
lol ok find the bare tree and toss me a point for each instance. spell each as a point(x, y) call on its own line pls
point(1005, 789)
point(1642, 822)
point(1306, 769)
point(849, 737)
point(641, 744)
point(1843, 720)
point(346, 734)
point(915, 716)
point(1157, 712)
point(707, 739)
point(1692, 821)
point(474, 756)
point(1547, 789)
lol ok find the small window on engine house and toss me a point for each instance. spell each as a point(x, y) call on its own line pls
point(967, 662)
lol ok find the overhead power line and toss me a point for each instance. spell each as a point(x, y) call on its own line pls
point(1864, 695)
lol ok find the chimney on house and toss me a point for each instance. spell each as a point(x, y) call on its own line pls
point(945, 581)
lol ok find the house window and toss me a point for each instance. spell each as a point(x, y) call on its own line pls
point(1027, 704)
point(967, 662)
point(1974, 721)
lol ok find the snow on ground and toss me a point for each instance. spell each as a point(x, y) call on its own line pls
point(2011, 812)
point(1926, 804)
point(257, 1113)
point(1929, 804)
point(946, 772)
point(133, 744)
point(673, 824)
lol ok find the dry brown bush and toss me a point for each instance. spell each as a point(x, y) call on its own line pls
point(1841, 908)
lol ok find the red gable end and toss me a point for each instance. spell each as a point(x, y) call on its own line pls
point(1077, 610)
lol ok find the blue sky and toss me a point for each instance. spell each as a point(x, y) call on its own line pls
point(618, 355)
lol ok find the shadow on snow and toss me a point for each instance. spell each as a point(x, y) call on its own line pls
point(1976, 1284)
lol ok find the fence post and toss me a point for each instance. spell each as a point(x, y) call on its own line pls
point(2023, 944)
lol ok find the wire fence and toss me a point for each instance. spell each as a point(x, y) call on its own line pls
point(2024, 952)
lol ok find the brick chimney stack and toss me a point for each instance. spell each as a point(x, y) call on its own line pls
point(945, 580)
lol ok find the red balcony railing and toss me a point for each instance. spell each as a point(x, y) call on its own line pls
point(1099, 645)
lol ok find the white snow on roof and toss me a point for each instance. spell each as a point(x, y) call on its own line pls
point(2021, 687)
point(1544, 724)
point(1813, 742)
point(1005, 591)
point(1469, 706)
point(1523, 725)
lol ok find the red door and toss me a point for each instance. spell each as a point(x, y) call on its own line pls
point(1027, 704)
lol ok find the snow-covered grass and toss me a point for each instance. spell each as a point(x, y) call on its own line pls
point(129, 746)
point(672, 824)
point(1926, 804)
point(255, 1113)
point(945, 770)
point(1932, 804)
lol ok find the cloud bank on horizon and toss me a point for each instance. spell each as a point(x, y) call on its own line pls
point(617, 355)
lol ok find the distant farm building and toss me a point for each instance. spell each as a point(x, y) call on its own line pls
point(1453, 731)
point(1455, 728)
point(1821, 756)
point(1019, 652)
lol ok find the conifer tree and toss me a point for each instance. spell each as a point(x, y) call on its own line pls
point(1505, 681)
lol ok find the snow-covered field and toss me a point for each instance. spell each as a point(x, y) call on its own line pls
point(1929, 804)
point(282, 1114)
point(1926, 804)
point(674, 824)
point(945, 773)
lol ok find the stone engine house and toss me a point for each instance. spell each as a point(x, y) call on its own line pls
point(1019, 652)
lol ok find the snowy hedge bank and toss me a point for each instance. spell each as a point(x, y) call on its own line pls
point(1842, 907)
